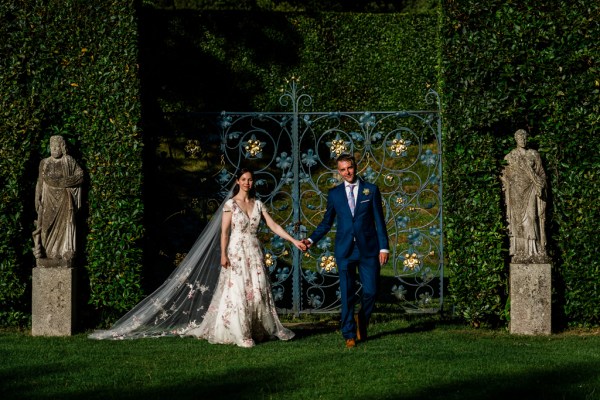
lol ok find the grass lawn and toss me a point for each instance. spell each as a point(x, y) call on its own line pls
point(418, 358)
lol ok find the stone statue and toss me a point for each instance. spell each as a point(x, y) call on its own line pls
point(57, 200)
point(524, 186)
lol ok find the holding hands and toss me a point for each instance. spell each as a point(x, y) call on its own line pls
point(307, 243)
point(300, 244)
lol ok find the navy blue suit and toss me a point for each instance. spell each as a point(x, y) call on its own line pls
point(358, 241)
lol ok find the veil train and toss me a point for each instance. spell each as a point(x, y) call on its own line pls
point(182, 300)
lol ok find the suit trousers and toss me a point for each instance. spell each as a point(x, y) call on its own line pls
point(368, 272)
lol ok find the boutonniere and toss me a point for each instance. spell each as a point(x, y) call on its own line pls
point(366, 192)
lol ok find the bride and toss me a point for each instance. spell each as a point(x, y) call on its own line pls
point(221, 290)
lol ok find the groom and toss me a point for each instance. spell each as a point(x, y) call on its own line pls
point(361, 242)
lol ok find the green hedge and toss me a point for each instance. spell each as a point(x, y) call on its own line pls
point(70, 67)
point(349, 62)
point(297, 5)
point(532, 65)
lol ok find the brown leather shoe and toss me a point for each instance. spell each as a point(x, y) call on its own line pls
point(350, 343)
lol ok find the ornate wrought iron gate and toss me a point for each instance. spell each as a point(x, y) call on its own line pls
point(293, 156)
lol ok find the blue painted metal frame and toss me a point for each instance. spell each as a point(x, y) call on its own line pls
point(293, 156)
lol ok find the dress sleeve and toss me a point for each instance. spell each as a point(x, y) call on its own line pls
point(227, 205)
point(261, 206)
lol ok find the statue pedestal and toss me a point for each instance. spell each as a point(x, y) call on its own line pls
point(53, 301)
point(530, 299)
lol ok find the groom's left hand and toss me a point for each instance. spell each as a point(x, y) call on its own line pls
point(383, 258)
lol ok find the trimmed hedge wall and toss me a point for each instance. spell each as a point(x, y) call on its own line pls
point(532, 65)
point(348, 61)
point(70, 67)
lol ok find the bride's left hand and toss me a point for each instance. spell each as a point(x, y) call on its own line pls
point(300, 245)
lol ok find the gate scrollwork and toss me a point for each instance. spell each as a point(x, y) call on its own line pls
point(293, 156)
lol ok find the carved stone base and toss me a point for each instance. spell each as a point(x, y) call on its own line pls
point(54, 262)
point(53, 301)
point(530, 299)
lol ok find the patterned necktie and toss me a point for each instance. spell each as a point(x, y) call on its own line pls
point(351, 201)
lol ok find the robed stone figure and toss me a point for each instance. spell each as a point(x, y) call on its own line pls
point(57, 200)
point(524, 186)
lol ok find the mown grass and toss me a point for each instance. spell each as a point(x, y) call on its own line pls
point(404, 359)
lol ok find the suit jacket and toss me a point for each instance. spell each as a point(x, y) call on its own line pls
point(367, 226)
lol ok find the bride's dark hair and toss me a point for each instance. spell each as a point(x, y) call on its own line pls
point(236, 188)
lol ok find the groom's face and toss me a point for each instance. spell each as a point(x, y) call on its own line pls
point(347, 171)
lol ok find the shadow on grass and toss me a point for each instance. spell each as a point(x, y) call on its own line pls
point(416, 327)
point(307, 329)
point(223, 387)
point(416, 324)
point(567, 381)
point(464, 378)
point(296, 371)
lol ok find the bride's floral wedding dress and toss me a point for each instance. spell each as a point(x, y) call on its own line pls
point(231, 305)
point(242, 309)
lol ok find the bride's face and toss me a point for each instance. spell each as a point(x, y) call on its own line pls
point(245, 181)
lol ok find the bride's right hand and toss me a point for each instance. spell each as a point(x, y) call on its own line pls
point(224, 261)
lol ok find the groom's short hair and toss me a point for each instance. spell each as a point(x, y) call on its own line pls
point(346, 157)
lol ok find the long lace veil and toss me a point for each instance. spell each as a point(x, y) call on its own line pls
point(182, 300)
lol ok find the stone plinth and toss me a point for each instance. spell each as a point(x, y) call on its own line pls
point(530, 299)
point(53, 301)
point(53, 263)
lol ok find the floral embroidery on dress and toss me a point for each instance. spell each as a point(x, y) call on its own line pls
point(242, 309)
